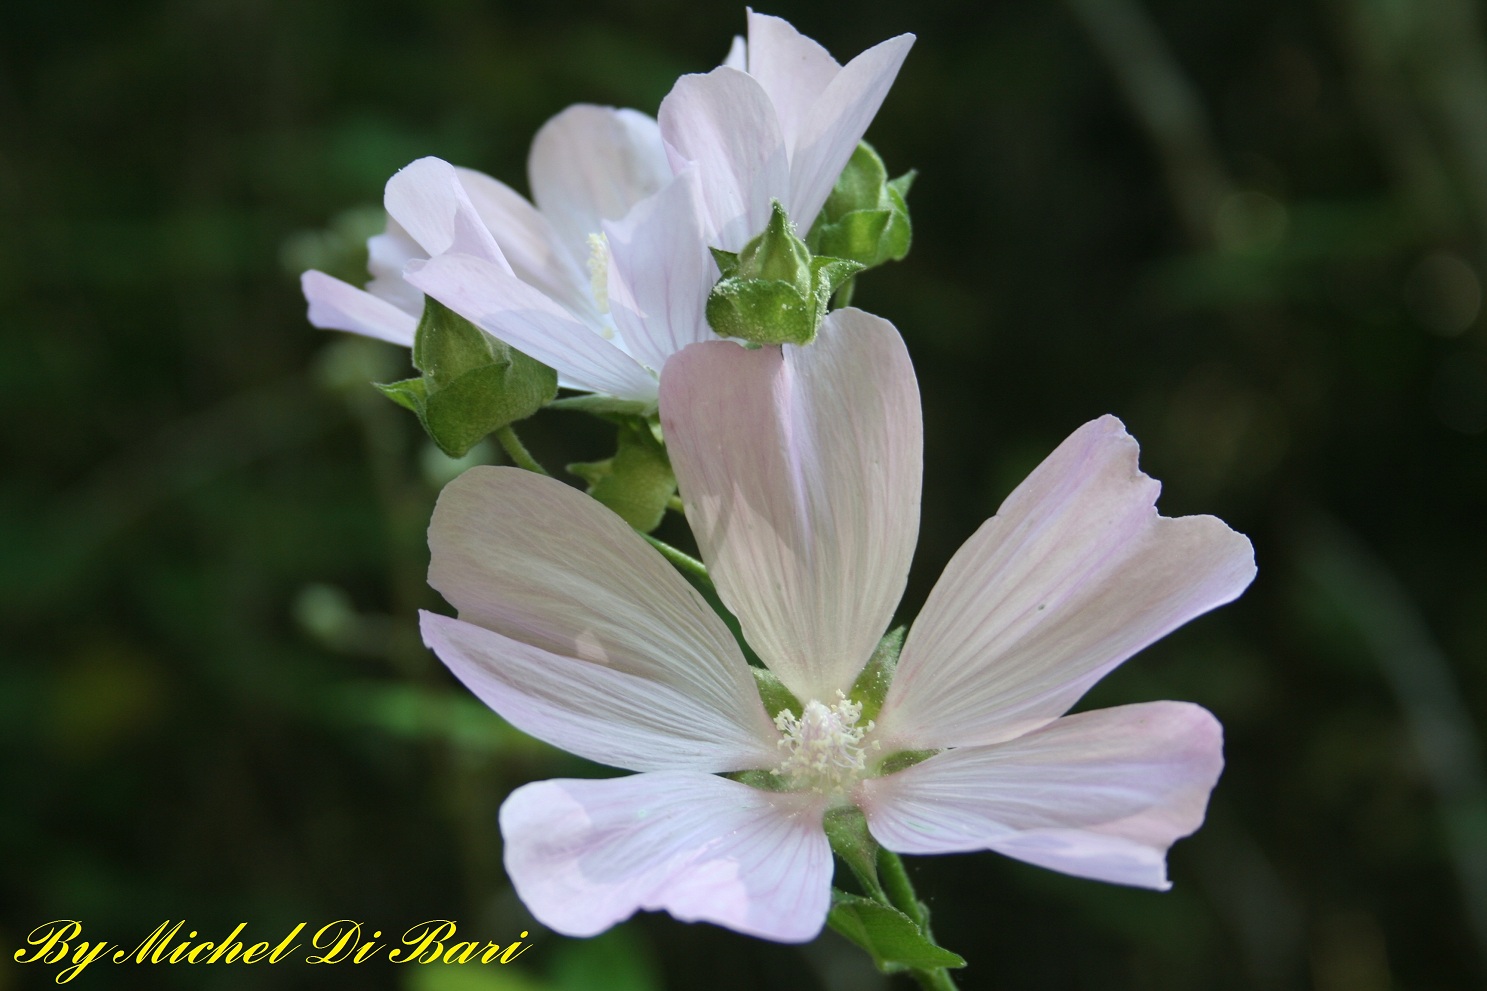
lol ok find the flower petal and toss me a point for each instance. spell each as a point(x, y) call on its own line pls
point(661, 273)
point(428, 201)
point(512, 311)
point(800, 473)
point(387, 254)
point(793, 69)
point(590, 164)
point(1100, 794)
point(336, 305)
point(738, 55)
point(607, 714)
point(1074, 574)
point(724, 122)
point(555, 573)
point(837, 120)
point(531, 246)
point(584, 855)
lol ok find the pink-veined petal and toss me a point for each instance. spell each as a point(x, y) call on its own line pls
point(336, 305)
point(1074, 574)
point(530, 244)
point(1100, 794)
point(661, 273)
point(510, 310)
point(584, 855)
point(724, 122)
point(828, 135)
point(604, 712)
point(793, 69)
point(427, 200)
point(589, 164)
point(542, 564)
point(387, 254)
point(738, 55)
point(800, 474)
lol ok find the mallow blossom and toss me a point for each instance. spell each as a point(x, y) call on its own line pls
point(608, 275)
point(800, 473)
point(541, 277)
point(777, 121)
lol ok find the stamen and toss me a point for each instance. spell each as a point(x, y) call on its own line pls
point(599, 270)
point(824, 744)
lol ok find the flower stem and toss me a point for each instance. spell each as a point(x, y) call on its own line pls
point(900, 890)
point(517, 451)
point(688, 565)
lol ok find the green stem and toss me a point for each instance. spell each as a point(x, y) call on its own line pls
point(675, 504)
point(518, 452)
point(694, 569)
point(901, 894)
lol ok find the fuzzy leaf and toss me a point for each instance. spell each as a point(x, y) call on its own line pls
point(889, 936)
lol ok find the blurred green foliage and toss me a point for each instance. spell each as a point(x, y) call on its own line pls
point(1255, 231)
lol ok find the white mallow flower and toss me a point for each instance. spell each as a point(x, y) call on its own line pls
point(800, 472)
point(544, 278)
point(777, 121)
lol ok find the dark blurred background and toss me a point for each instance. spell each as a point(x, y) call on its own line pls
point(1254, 230)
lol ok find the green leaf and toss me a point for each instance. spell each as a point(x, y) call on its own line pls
point(889, 936)
point(637, 482)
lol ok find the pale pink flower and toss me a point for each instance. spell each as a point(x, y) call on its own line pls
point(800, 469)
point(777, 121)
point(542, 278)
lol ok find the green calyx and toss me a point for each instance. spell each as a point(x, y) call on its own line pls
point(866, 217)
point(775, 291)
point(637, 482)
point(471, 383)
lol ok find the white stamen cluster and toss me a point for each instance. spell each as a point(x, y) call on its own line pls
point(824, 744)
point(599, 270)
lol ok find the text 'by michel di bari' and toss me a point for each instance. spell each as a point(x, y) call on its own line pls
point(60, 943)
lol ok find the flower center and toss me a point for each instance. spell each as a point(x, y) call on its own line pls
point(599, 270)
point(824, 748)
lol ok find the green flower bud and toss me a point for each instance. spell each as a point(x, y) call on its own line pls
point(866, 217)
point(774, 291)
point(472, 383)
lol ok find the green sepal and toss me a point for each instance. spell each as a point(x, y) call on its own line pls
point(773, 693)
point(866, 217)
point(856, 235)
point(827, 276)
point(472, 384)
point(889, 936)
point(409, 394)
point(761, 311)
point(871, 686)
point(904, 183)
point(727, 261)
point(605, 405)
point(903, 758)
point(777, 254)
point(461, 414)
point(846, 828)
point(637, 482)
